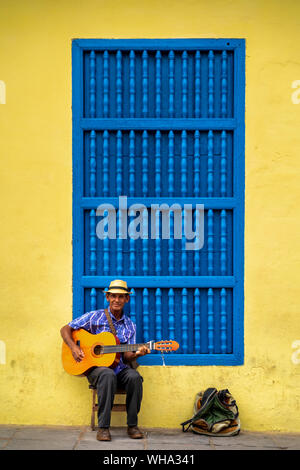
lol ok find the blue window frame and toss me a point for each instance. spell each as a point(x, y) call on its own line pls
point(162, 121)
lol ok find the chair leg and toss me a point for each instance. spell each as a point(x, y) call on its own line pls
point(93, 411)
point(116, 407)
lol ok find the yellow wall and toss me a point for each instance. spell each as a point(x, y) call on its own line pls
point(36, 207)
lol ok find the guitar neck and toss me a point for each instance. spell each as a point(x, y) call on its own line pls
point(115, 348)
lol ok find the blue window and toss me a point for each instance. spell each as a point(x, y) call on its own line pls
point(161, 121)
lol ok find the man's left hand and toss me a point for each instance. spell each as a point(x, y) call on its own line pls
point(142, 351)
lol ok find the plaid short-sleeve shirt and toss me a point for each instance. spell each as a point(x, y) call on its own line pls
point(96, 322)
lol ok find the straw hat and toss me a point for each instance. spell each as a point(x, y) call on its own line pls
point(117, 287)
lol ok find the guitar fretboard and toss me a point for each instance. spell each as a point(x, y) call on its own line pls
point(123, 347)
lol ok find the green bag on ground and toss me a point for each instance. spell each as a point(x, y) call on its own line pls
point(215, 414)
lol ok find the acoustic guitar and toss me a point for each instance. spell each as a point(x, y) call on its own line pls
point(103, 349)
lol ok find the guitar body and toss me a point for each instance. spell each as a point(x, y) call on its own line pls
point(90, 346)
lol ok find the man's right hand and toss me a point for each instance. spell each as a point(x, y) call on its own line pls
point(77, 353)
point(66, 333)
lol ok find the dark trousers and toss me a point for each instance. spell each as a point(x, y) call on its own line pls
point(107, 383)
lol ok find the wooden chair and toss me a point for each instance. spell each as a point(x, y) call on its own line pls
point(116, 406)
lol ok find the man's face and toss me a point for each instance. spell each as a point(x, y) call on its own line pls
point(117, 301)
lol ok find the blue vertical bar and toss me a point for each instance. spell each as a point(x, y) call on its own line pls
point(171, 314)
point(105, 185)
point(196, 186)
point(197, 252)
point(145, 84)
point(93, 299)
point(158, 322)
point(223, 244)
point(197, 321)
point(210, 84)
point(183, 163)
point(223, 322)
point(93, 258)
point(132, 84)
point(197, 84)
point(157, 164)
point(171, 245)
point(145, 163)
point(157, 246)
point(197, 262)
point(132, 270)
point(210, 320)
point(158, 84)
point(119, 165)
point(171, 83)
point(133, 306)
point(210, 164)
point(92, 84)
point(184, 321)
point(171, 164)
point(145, 243)
point(184, 87)
point(105, 303)
point(210, 242)
point(146, 314)
point(105, 83)
point(92, 168)
point(131, 163)
point(224, 91)
point(223, 169)
point(78, 91)
point(106, 256)
point(119, 83)
point(183, 250)
point(119, 259)
point(239, 195)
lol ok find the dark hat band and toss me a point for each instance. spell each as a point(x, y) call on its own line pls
point(118, 287)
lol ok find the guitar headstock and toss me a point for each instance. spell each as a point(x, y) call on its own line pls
point(166, 346)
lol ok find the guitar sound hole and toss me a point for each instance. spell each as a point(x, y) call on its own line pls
point(98, 350)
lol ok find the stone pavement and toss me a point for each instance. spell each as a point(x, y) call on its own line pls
point(19, 437)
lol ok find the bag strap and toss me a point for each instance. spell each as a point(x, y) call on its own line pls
point(110, 322)
point(189, 422)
